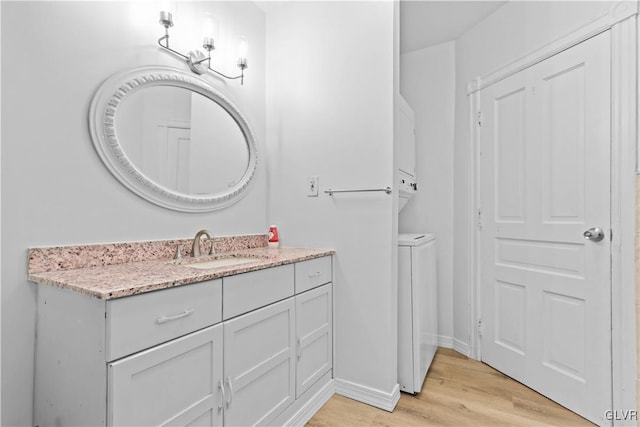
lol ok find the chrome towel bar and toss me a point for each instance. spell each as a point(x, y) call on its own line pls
point(330, 191)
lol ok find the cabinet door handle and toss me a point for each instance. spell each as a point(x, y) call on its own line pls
point(165, 319)
point(230, 392)
point(312, 275)
point(224, 398)
point(299, 347)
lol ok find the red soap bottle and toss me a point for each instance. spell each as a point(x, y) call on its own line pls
point(274, 242)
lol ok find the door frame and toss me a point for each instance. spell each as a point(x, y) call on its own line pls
point(621, 21)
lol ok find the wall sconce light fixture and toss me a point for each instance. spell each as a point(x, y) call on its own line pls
point(197, 61)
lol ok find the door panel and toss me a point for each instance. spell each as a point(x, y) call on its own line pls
point(565, 335)
point(510, 156)
point(545, 179)
point(563, 145)
point(510, 322)
point(504, 208)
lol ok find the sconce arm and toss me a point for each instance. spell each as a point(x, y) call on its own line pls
point(166, 37)
point(208, 58)
point(227, 77)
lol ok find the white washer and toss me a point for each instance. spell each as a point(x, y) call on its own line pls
point(417, 309)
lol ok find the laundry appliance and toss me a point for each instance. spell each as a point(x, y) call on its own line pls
point(417, 309)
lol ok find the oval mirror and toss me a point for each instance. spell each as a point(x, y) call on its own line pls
point(173, 139)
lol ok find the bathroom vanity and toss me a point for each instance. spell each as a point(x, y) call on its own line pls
point(245, 340)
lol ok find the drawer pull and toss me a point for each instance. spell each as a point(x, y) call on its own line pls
point(165, 319)
point(224, 398)
point(230, 392)
point(312, 275)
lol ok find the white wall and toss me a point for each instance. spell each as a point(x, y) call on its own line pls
point(55, 190)
point(427, 82)
point(330, 75)
point(514, 30)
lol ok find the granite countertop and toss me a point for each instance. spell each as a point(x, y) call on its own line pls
point(121, 279)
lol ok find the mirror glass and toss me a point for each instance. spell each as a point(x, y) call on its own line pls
point(182, 140)
point(173, 139)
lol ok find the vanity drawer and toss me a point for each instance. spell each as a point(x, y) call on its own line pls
point(312, 273)
point(248, 291)
point(141, 321)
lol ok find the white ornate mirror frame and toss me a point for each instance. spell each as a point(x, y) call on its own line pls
point(103, 134)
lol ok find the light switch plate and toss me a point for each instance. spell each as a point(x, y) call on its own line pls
point(312, 186)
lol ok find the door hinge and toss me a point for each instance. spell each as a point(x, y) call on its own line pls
point(479, 219)
point(479, 325)
point(480, 118)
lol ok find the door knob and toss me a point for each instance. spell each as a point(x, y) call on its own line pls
point(595, 234)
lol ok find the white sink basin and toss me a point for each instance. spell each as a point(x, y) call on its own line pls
point(222, 262)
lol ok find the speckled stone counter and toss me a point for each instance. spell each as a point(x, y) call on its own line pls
point(118, 270)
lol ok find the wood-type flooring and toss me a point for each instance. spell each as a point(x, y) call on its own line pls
point(458, 391)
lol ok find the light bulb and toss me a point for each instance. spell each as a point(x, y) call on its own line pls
point(243, 47)
point(166, 19)
point(209, 26)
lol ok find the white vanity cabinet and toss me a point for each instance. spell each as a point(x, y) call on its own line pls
point(142, 321)
point(182, 382)
point(314, 336)
point(259, 362)
point(236, 351)
point(107, 362)
point(248, 291)
point(177, 383)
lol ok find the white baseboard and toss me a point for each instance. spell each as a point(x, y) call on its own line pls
point(368, 395)
point(445, 341)
point(303, 414)
point(455, 344)
point(461, 347)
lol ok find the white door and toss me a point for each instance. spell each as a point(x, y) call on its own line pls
point(259, 364)
point(173, 384)
point(545, 180)
point(167, 155)
point(178, 159)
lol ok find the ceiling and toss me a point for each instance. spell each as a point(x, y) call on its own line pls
point(425, 23)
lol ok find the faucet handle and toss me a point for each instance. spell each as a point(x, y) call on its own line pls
point(178, 254)
point(212, 251)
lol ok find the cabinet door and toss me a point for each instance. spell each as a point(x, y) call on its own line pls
point(177, 383)
point(259, 364)
point(314, 342)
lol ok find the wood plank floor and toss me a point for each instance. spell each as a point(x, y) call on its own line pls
point(458, 391)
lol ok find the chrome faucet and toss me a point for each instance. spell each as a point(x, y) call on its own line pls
point(195, 250)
